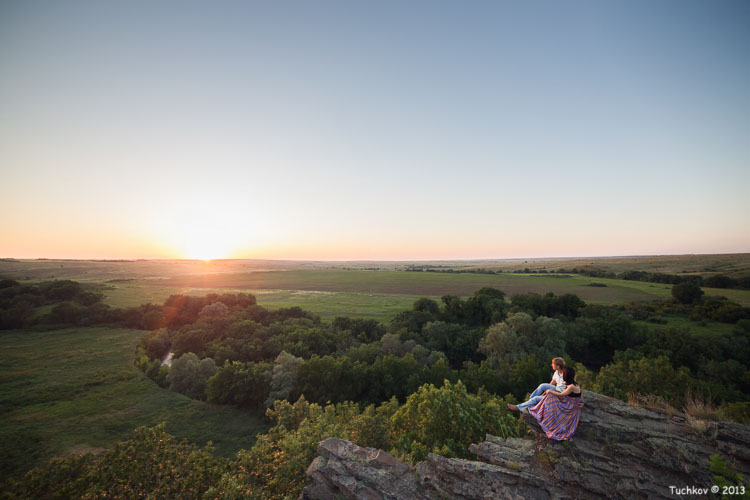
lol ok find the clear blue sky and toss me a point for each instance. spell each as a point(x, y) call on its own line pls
point(374, 130)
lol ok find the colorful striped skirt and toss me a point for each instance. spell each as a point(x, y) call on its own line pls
point(558, 415)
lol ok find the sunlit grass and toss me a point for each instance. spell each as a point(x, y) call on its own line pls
point(73, 390)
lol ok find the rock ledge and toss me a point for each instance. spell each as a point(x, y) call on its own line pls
point(618, 451)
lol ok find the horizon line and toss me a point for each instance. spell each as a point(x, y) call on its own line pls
point(462, 259)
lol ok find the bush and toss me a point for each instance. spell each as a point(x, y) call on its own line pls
point(447, 420)
point(151, 465)
point(724, 477)
point(646, 376)
point(274, 468)
point(687, 293)
point(737, 412)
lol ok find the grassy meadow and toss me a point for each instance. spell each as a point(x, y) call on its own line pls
point(76, 390)
point(382, 294)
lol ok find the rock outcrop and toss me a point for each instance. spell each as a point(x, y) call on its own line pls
point(618, 451)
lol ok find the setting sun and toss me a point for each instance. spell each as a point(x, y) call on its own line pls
point(212, 231)
point(204, 250)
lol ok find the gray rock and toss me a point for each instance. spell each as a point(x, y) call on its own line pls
point(618, 451)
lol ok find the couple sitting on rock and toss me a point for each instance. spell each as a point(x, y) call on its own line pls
point(557, 405)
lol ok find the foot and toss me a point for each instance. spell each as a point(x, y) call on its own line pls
point(512, 407)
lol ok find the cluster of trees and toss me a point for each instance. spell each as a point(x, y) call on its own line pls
point(434, 269)
point(712, 281)
point(262, 354)
point(19, 303)
point(73, 305)
point(724, 281)
point(700, 308)
point(248, 356)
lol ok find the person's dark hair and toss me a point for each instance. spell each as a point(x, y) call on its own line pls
point(569, 376)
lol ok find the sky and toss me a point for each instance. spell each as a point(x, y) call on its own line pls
point(339, 130)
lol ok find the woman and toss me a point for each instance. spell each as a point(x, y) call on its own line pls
point(571, 387)
point(557, 383)
point(558, 412)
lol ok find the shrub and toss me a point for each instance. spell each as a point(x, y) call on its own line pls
point(687, 293)
point(151, 465)
point(737, 412)
point(447, 420)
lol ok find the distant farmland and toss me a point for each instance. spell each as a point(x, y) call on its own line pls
point(348, 289)
point(418, 283)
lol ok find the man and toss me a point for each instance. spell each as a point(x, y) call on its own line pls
point(556, 384)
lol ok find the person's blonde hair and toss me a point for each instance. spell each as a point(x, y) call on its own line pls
point(559, 362)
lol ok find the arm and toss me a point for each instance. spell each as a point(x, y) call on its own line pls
point(567, 391)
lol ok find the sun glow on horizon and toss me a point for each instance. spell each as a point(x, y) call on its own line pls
point(211, 231)
point(204, 250)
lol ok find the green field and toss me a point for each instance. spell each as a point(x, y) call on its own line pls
point(328, 305)
point(712, 327)
point(75, 390)
point(347, 289)
point(376, 295)
point(331, 289)
point(424, 284)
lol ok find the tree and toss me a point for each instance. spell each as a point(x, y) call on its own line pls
point(283, 377)
point(598, 332)
point(719, 281)
point(426, 305)
point(458, 342)
point(687, 293)
point(188, 375)
point(520, 335)
point(213, 311)
point(241, 384)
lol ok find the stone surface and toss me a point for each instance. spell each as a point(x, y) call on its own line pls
point(618, 451)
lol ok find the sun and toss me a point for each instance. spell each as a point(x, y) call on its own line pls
point(217, 228)
point(208, 244)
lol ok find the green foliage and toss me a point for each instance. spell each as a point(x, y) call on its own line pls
point(520, 336)
point(241, 384)
point(687, 293)
point(724, 477)
point(719, 309)
point(447, 420)
point(273, 469)
point(151, 465)
point(719, 281)
point(458, 342)
point(485, 307)
point(427, 306)
point(283, 377)
point(411, 321)
point(646, 376)
point(737, 412)
point(157, 343)
point(484, 375)
point(188, 375)
point(598, 332)
point(567, 305)
point(364, 329)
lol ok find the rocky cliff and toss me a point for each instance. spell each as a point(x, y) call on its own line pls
point(618, 451)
